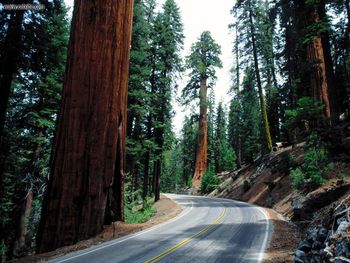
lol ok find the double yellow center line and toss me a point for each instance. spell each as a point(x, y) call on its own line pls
point(188, 240)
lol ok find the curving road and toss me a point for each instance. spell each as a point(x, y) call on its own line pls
point(207, 230)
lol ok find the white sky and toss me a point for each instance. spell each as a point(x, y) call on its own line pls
point(198, 16)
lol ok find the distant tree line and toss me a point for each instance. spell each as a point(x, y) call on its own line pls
point(74, 142)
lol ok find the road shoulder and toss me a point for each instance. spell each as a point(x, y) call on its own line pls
point(284, 240)
point(166, 209)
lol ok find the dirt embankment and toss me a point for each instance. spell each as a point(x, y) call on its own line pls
point(165, 210)
point(267, 183)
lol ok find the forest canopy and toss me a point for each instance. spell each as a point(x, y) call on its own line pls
point(290, 83)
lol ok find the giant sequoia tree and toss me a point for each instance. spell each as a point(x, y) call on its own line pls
point(88, 155)
point(318, 54)
point(202, 61)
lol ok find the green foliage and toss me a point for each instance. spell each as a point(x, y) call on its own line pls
point(171, 178)
point(136, 209)
point(155, 61)
point(32, 112)
point(250, 129)
point(298, 178)
point(202, 63)
point(228, 158)
point(209, 181)
point(139, 215)
point(188, 149)
point(139, 141)
point(307, 111)
point(224, 154)
point(313, 167)
point(314, 31)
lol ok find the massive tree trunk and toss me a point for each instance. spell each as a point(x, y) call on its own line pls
point(267, 142)
point(319, 83)
point(9, 62)
point(89, 151)
point(335, 96)
point(201, 152)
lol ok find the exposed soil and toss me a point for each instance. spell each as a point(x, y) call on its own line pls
point(165, 207)
point(267, 183)
point(284, 241)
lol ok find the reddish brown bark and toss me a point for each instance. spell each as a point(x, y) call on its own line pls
point(319, 84)
point(20, 243)
point(201, 153)
point(89, 151)
point(334, 94)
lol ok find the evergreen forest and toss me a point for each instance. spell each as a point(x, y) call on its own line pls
point(87, 103)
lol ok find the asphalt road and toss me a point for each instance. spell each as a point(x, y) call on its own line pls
point(207, 230)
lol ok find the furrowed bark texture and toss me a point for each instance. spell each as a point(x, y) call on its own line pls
point(89, 151)
point(201, 153)
point(319, 83)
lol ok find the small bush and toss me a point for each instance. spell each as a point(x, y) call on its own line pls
point(138, 216)
point(313, 167)
point(136, 209)
point(298, 178)
point(209, 181)
point(228, 158)
point(308, 111)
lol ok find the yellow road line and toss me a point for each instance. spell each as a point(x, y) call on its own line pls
point(187, 240)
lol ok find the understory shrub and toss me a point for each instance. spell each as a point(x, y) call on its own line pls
point(209, 181)
point(314, 165)
point(136, 210)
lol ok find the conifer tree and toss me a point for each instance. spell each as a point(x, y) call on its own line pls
point(87, 170)
point(251, 145)
point(30, 124)
point(138, 98)
point(167, 41)
point(202, 62)
point(188, 147)
point(247, 10)
point(224, 155)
